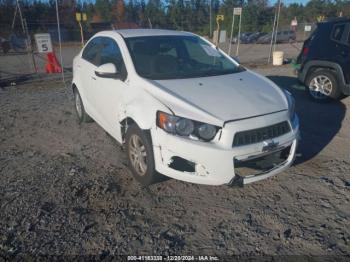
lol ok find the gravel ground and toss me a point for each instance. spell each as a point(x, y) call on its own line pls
point(65, 189)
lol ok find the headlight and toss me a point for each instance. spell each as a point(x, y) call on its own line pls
point(207, 132)
point(291, 104)
point(185, 127)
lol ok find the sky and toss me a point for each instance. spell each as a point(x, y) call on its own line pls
point(288, 2)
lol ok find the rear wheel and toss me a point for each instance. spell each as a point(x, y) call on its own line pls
point(322, 86)
point(140, 156)
point(79, 108)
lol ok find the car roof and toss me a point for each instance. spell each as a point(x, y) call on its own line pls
point(336, 19)
point(143, 32)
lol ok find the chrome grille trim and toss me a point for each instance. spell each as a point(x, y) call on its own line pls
point(258, 135)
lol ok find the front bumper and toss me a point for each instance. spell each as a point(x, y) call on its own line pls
point(213, 163)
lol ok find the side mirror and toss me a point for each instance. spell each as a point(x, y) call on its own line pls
point(108, 70)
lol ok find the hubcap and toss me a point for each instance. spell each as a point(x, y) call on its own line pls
point(78, 105)
point(320, 87)
point(138, 155)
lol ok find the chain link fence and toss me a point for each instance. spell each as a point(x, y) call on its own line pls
point(254, 47)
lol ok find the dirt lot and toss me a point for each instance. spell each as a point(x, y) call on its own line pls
point(65, 189)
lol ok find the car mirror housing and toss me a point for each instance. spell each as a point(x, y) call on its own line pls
point(108, 70)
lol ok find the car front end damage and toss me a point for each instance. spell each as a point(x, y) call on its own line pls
point(242, 152)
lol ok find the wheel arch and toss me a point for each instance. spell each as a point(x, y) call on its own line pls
point(313, 66)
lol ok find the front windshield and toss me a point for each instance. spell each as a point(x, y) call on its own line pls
point(172, 57)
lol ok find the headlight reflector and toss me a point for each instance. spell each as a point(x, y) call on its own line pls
point(206, 131)
point(184, 127)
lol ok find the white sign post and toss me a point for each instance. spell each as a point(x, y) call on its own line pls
point(222, 38)
point(43, 43)
point(236, 11)
point(233, 24)
point(307, 28)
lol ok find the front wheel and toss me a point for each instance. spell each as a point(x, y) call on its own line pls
point(322, 86)
point(80, 109)
point(140, 156)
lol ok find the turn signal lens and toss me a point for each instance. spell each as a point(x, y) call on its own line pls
point(167, 122)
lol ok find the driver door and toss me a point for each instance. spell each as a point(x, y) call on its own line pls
point(108, 93)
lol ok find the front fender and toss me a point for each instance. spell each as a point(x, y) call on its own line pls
point(143, 110)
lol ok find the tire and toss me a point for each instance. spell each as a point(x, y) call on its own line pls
point(83, 117)
point(326, 81)
point(140, 156)
point(5, 47)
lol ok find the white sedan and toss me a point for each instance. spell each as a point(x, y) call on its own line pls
point(183, 108)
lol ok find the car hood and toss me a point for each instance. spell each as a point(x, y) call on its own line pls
point(227, 97)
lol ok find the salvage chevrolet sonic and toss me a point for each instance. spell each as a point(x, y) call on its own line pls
point(183, 108)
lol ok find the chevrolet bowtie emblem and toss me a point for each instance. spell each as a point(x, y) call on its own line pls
point(269, 146)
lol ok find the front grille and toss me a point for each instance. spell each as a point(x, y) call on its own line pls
point(260, 134)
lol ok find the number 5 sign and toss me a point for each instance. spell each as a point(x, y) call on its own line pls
point(43, 43)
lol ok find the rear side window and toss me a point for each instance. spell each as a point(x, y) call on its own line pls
point(338, 31)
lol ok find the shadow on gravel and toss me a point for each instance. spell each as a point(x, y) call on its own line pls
point(319, 122)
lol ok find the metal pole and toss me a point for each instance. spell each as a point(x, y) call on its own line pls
point(24, 30)
point(210, 21)
point(272, 36)
point(239, 33)
point(30, 48)
point(278, 17)
point(59, 41)
point(218, 33)
point(81, 34)
point(21, 17)
point(233, 24)
point(14, 18)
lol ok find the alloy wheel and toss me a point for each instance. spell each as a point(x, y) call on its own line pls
point(138, 155)
point(320, 87)
point(78, 105)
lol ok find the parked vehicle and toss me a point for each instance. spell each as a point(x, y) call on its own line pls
point(281, 37)
point(244, 36)
point(5, 45)
point(183, 108)
point(18, 43)
point(325, 60)
point(254, 37)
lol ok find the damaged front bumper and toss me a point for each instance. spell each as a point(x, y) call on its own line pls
point(218, 163)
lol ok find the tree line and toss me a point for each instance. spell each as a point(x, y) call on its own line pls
point(188, 15)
